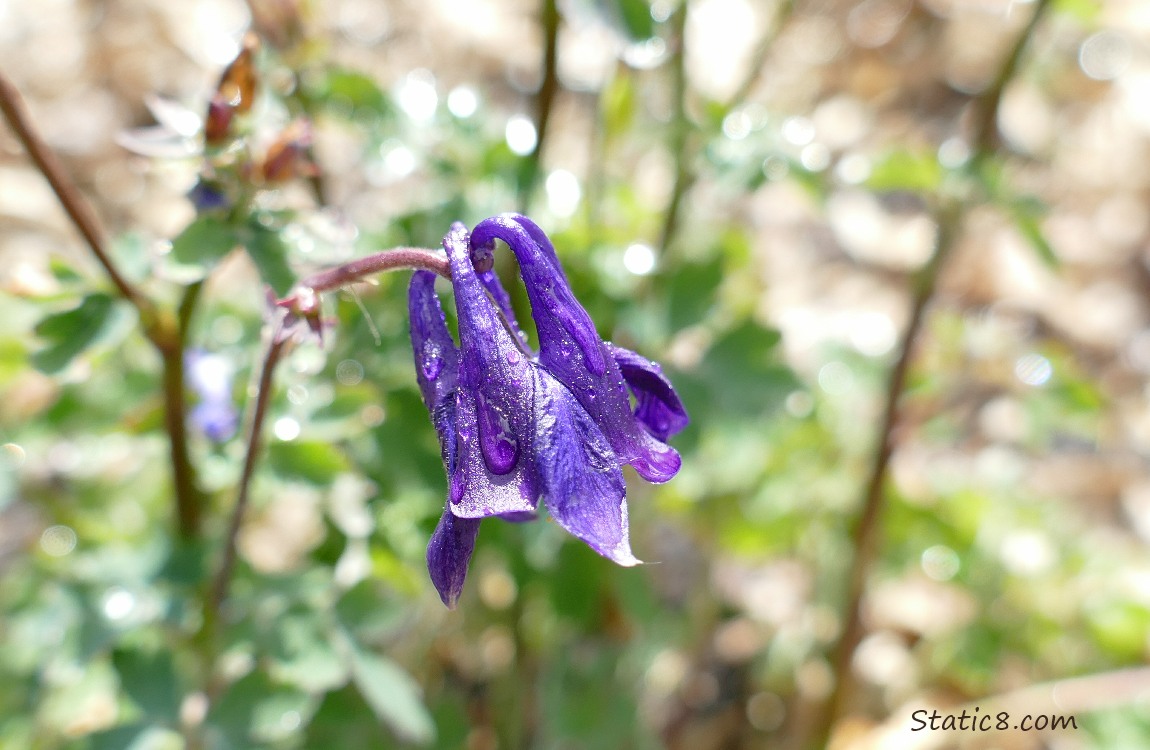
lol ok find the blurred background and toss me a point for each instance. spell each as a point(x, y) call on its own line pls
point(750, 192)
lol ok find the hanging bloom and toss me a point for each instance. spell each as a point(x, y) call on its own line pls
point(597, 373)
point(511, 431)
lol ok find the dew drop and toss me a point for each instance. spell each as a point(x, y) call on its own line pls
point(432, 365)
point(512, 357)
point(497, 443)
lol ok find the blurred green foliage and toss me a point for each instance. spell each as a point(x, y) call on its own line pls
point(332, 636)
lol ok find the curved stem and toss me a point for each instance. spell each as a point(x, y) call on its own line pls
point(867, 529)
point(388, 260)
point(222, 579)
point(78, 210)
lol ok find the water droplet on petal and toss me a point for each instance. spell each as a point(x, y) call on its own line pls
point(497, 443)
point(512, 357)
point(432, 363)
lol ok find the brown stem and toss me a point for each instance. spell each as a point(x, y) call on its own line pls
point(865, 535)
point(387, 260)
point(167, 336)
point(69, 196)
point(189, 499)
point(866, 532)
point(544, 99)
point(223, 577)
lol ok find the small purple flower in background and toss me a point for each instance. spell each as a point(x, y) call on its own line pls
point(210, 377)
point(206, 196)
point(514, 426)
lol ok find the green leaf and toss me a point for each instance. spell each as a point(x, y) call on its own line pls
point(618, 102)
point(310, 461)
point(351, 94)
point(269, 252)
point(136, 737)
point(71, 332)
point(691, 292)
point(256, 708)
point(303, 655)
point(205, 241)
point(1026, 219)
point(131, 256)
point(634, 17)
point(150, 681)
point(370, 611)
point(904, 170)
point(393, 695)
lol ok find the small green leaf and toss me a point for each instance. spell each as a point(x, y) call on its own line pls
point(269, 252)
point(633, 17)
point(205, 241)
point(136, 737)
point(71, 332)
point(393, 695)
point(150, 681)
point(349, 93)
point(257, 709)
point(303, 655)
point(310, 461)
point(691, 292)
point(618, 103)
point(369, 611)
point(1026, 219)
point(904, 170)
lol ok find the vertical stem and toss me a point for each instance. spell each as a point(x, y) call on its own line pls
point(189, 500)
point(867, 530)
point(222, 580)
point(544, 100)
point(680, 128)
point(865, 535)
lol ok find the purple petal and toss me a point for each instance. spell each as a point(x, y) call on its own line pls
point(449, 554)
point(657, 406)
point(582, 485)
point(436, 356)
point(493, 474)
point(218, 420)
point(495, 288)
point(571, 350)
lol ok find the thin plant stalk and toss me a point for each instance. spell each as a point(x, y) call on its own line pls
point(868, 526)
point(166, 334)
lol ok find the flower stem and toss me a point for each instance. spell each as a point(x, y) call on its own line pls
point(388, 260)
point(222, 580)
point(867, 529)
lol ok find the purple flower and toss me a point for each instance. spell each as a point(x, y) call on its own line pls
point(598, 373)
point(210, 378)
point(514, 427)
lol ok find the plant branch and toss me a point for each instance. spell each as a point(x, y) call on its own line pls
point(680, 128)
point(78, 209)
point(544, 99)
point(386, 260)
point(222, 581)
point(866, 532)
point(166, 335)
